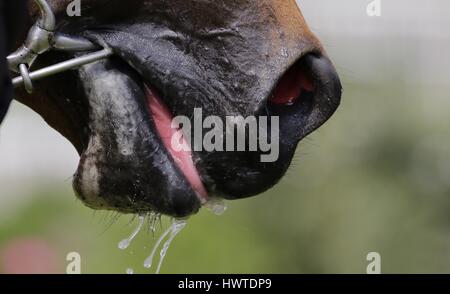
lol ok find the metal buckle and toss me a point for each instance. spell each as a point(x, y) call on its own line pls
point(42, 38)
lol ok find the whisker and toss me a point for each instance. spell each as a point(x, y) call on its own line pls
point(115, 216)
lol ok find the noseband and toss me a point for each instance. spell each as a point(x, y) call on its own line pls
point(41, 38)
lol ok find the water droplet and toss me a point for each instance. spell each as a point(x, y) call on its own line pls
point(126, 242)
point(130, 271)
point(216, 206)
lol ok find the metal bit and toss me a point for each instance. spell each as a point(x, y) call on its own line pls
point(42, 38)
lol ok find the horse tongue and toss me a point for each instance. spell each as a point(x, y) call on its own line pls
point(183, 158)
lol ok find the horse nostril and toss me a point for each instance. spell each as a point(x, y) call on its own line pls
point(297, 81)
point(305, 97)
point(312, 81)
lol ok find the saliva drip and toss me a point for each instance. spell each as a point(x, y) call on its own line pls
point(215, 205)
point(126, 242)
point(172, 232)
point(152, 221)
point(177, 227)
point(149, 261)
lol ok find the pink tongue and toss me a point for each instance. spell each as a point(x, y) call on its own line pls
point(183, 159)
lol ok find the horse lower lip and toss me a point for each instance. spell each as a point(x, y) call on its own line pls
point(183, 159)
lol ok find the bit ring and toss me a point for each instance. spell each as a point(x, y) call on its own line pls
point(27, 82)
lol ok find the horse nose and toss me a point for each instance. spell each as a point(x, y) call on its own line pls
point(304, 97)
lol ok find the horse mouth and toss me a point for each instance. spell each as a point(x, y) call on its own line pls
point(130, 164)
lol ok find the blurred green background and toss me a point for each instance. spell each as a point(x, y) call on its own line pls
point(376, 177)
